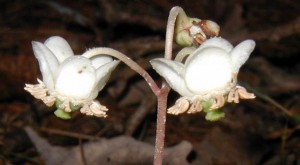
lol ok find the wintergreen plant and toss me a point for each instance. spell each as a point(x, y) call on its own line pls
point(204, 73)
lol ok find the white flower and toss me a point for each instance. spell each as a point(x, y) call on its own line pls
point(72, 81)
point(208, 73)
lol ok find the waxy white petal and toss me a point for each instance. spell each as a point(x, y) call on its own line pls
point(59, 47)
point(172, 72)
point(76, 78)
point(48, 63)
point(98, 61)
point(217, 42)
point(241, 53)
point(183, 53)
point(103, 73)
point(207, 71)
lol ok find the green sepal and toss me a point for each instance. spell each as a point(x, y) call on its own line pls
point(58, 102)
point(214, 115)
point(62, 114)
point(74, 107)
point(181, 33)
point(207, 104)
point(183, 39)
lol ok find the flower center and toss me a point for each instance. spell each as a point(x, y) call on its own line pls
point(207, 71)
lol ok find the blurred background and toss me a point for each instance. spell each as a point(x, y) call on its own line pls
point(262, 131)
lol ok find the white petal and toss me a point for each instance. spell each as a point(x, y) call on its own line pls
point(93, 94)
point(60, 48)
point(76, 78)
point(241, 53)
point(172, 72)
point(103, 73)
point(217, 42)
point(208, 71)
point(181, 55)
point(98, 61)
point(48, 63)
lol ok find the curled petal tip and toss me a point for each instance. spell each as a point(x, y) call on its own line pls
point(241, 53)
point(60, 47)
point(103, 73)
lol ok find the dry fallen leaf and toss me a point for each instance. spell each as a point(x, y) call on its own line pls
point(120, 150)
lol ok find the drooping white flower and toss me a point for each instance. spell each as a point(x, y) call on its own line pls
point(208, 73)
point(72, 81)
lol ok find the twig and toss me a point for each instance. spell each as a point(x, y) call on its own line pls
point(273, 102)
point(83, 159)
point(112, 15)
point(139, 115)
point(273, 34)
point(270, 100)
point(70, 134)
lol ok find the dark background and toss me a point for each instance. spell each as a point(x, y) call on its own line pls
point(261, 131)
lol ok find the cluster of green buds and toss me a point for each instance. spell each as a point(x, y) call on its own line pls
point(194, 31)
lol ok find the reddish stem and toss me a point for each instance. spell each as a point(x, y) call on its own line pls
point(129, 62)
point(175, 11)
point(162, 98)
point(161, 93)
point(161, 125)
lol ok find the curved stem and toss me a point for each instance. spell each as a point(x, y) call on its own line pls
point(175, 11)
point(133, 65)
point(161, 93)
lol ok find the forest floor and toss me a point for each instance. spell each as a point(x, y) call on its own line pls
point(263, 131)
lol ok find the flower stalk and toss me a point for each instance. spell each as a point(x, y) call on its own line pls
point(129, 62)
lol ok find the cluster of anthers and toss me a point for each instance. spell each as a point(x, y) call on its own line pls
point(71, 82)
point(65, 104)
point(195, 104)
